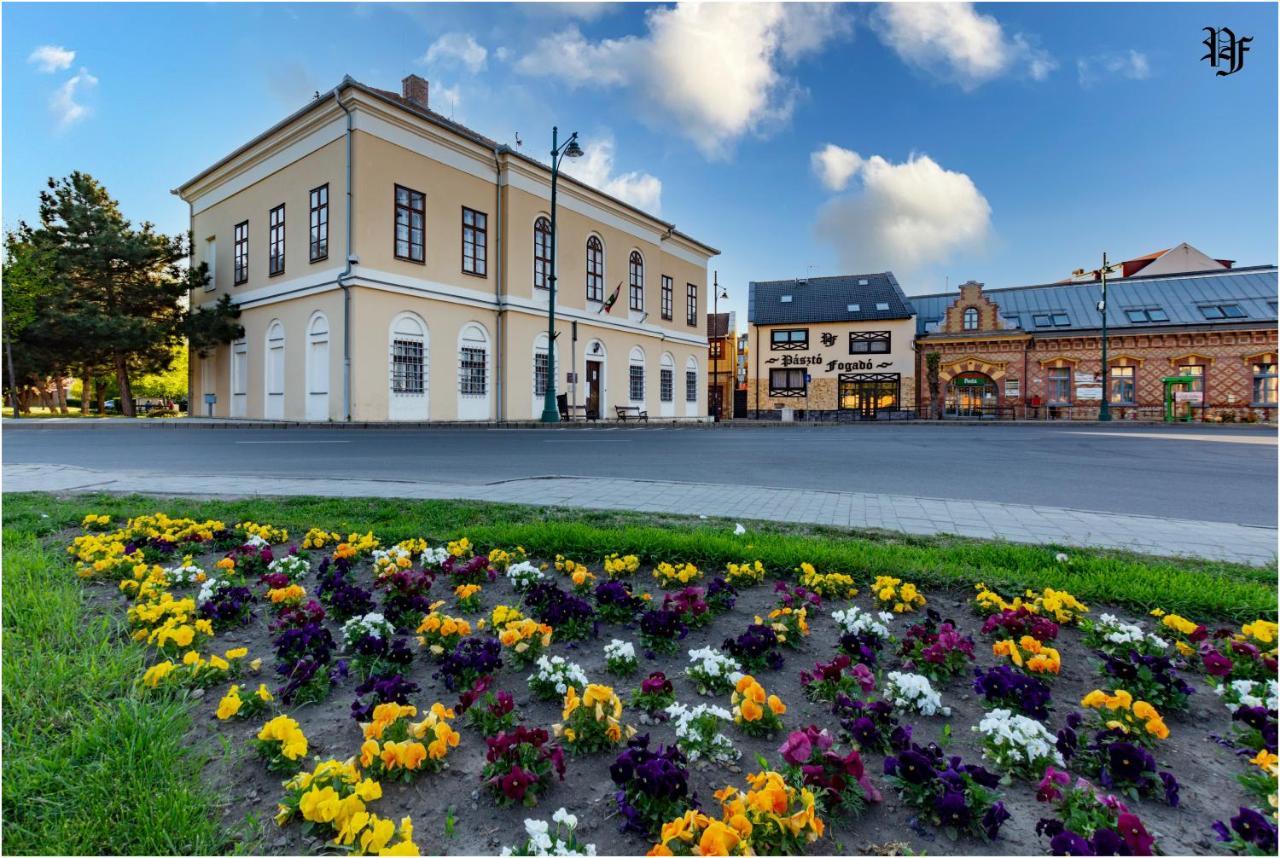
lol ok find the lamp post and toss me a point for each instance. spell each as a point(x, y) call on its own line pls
point(569, 149)
point(719, 344)
point(1104, 409)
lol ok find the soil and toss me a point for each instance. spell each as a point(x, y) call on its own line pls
point(1206, 768)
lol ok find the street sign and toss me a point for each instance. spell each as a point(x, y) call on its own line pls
point(571, 378)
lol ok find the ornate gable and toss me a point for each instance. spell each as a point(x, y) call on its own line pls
point(971, 298)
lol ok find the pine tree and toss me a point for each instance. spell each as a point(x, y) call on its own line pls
point(118, 288)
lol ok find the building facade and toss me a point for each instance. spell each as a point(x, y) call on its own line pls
point(391, 264)
point(1206, 341)
point(831, 347)
point(722, 339)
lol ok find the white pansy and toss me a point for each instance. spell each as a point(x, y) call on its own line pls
point(434, 556)
point(698, 732)
point(372, 624)
point(294, 566)
point(523, 574)
point(713, 670)
point(554, 674)
point(1015, 741)
point(1247, 692)
point(210, 588)
point(183, 573)
point(855, 621)
point(912, 692)
point(256, 541)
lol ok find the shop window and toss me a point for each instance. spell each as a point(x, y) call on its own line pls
point(794, 339)
point(787, 382)
point(1059, 388)
point(1264, 384)
point(1197, 372)
point(1122, 389)
point(869, 342)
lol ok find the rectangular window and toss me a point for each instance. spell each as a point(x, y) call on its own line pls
point(407, 374)
point(1040, 320)
point(636, 292)
point(320, 223)
point(1264, 384)
point(668, 298)
point(1061, 320)
point(275, 241)
point(472, 366)
point(1060, 385)
point(787, 382)
point(1136, 316)
point(869, 342)
point(540, 374)
point(666, 385)
point(1233, 311)
point(211, 259)
point(1196, 370)
point(475, 242)
point(635, 387)
point(241, 247)
point(1122, 390)
point(690, 385)
point(1155, 314)
point(789, 340)
point(691, 304)
point(411, 208)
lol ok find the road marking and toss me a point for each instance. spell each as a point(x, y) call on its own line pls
point(586, 440)
point(1267, 440)
point(293, 442)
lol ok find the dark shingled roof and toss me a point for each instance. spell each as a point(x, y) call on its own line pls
point(847, 298)
point(718, 324)
point(1180, 296)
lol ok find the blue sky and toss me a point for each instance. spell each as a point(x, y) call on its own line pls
point(1005, 143)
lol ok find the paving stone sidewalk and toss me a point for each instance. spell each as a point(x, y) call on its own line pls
point(902, 513)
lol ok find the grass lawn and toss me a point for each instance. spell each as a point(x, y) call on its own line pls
point(93, 767)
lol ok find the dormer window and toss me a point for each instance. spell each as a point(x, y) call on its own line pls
point(882, 306)
point(970, 319)
point(785, 299)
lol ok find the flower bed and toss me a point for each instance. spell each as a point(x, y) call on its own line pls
point(832, 691)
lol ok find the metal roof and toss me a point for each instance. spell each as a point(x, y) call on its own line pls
point(847, 298)
point(1180, 296)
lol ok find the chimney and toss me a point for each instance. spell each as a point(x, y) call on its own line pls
point(414, 89)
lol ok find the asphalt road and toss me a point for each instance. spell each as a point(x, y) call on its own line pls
point(1208, 474)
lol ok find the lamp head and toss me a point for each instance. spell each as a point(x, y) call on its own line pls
point(574, 150)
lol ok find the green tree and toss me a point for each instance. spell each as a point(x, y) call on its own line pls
point(118, 287)
point(933, 363)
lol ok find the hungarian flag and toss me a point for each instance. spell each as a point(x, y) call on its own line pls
point(608, 305)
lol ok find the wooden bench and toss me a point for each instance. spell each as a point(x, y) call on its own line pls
point(632, 411)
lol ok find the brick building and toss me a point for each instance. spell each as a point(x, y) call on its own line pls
point(1035, 351)
point(831, 347)
point(722, 339)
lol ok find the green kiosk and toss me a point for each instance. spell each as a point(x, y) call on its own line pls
point(1174, 410)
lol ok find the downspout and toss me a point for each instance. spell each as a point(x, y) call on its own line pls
point(499, 364)
point(346, 271)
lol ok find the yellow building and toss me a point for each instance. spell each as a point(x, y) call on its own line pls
point(831, 346)
point(391, 264)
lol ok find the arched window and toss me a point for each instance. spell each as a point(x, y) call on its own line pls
point(636, 280)
point(542, 253)
point(317, 398)
point(595, 269)
point(667, 379)
point(473, 361)
point(970, 322)
point(691, 385)
point(635, 376)
point(408, 359)
point(273, 406)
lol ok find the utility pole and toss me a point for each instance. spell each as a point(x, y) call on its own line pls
point(1104, 409)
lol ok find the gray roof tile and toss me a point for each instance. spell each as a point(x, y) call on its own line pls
point(852, 297)
point(1179, 295)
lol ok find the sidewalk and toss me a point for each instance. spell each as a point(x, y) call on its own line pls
point(905, 514)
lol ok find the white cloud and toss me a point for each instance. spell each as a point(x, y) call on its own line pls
point(595, 168)
point(835, 165)
point(52, 58)
point(905, 216)
point(63, 103)
point(457, 48)
point(581, 11)
point(711, 72)
point(955, 42)
point(1129, 64)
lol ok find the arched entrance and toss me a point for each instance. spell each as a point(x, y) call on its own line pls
point(972, 394)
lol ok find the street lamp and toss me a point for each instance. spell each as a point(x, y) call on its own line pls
point(1104, 409)
point(716, 294)
point(569, 149)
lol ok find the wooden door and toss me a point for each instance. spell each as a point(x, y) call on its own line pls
point(593, 389)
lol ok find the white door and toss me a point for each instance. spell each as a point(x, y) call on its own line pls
point(274, 406)
point(318, 369)
point(239, 378)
